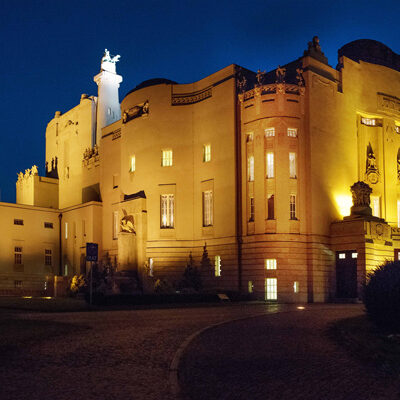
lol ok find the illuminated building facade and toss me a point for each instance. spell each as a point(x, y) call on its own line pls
point(257, 166)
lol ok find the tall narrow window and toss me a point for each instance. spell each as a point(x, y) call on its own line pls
point(271, 207)
point(270, 263)
point(376, 206)
point(292, 165)
point(269, 132)
point(296, 287)
point(207, 152)
point(167, 210)
point(115, 225)
point(208, 208)
point(166, 160)
point(252, 211)
point(133, 164)
point(271, 290)
point(293, 206)
point(270, 164)
point(17, 255)
point(292, 132)
point(250, 168)
point(48, 257)
point(66, 230)
point(249, 137)
point(398, 213)
point(217, 264)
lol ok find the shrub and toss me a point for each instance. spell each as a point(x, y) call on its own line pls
point(77, 285)
point(162, 286)
point(191, 278)
point(382, 296)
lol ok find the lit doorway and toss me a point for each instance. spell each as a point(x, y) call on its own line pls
point(346, 274)
point(271, 289)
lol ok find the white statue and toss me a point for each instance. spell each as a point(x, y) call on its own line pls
point(108, 61)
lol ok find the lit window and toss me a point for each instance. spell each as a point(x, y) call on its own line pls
point(354, 255)
point(271, 206)
point(17, 284)
point(167, 210)
point(296, 287)
point(133, 164)
point(292, 132)
point(166, 158)
point(269, 132)
point(252, 213)
point(208, 208)
point(250, 286)
point(250, 168)
point(293, 206)
point(48, 225)
point(342, 256)
point(398, 213)
point(270, 263)
point(48, 257)
point(217, 264)
point(207, 152)
point(376, 206)
point(151, 267)
point(66, 270)
point(66, 230)
point(271, 290)
point(368, 121)
point(270, 165)
point(249, 137)
point(18, 221)
point(115, 225)
point(18, 255)
point(292, 165)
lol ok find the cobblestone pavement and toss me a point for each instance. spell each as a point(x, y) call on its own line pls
point(280, 356)
point(100, 355)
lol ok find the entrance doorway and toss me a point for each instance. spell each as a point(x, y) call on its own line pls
point(346, 274)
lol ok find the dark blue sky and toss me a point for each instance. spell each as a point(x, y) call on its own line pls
point(52, 49)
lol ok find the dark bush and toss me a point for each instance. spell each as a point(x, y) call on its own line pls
point(382, 296)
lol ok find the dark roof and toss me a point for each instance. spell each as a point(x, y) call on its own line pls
point(152, 82)
point(372, 52)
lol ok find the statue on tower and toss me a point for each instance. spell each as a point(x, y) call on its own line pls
point(108, 62)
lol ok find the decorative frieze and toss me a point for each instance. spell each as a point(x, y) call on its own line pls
point(116, 134)
point(179, 99)
point(389, 104)
point(139, 110)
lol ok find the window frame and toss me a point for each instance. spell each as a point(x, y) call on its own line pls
point(167, 218)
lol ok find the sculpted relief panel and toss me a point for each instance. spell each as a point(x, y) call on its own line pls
point(388, 104)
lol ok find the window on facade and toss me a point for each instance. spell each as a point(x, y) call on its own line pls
point(292, 165)
point(271, 290)
point(217, 264)
point(250, 168)
point(250, 287)
point(342, 256)
point(270, 263)
point(207, 152)
point(249, 137)
point(17, 284)
point(17, 255)
point(66, 230)
point(368, 121)
point(167, 210)
point(269, 132)
point(115, 225)
point(48, 257)
point(292, 132)
point(398, 213)
point(133, 164)
point(293, 206)
point(296, 287)
point(354, 255)
point(270, 164)
point(208, 208)
point(48, 225)
point(271, 206)
point(252, 210)
point(376, 206)
point(18, 221)
point(166, 160)
point(151, 267)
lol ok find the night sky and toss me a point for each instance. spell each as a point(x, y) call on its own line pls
point(52, 49)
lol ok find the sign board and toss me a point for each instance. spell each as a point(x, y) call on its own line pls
point(92, 250)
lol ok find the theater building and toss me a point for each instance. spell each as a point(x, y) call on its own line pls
point(254, 168)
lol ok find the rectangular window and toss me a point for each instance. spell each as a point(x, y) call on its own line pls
point(18, 221)
point(166, 160)
point(217, 264)
point(133, 164)
point(293, 206)
point(208, 208)
point(207, 153)
point(368, 121)
point(270, 263)
point(249, 137)
point(66, 230)
point(250, 286)
point(167, 210)
point(354, 255)
point(115, 225)
point(48, 225)
point(292, 132)
point(296, 287)
point(252, 210)
point(271, 292)
point(151, 267)
point(17, 284)
point(269, 132)
point(271, 206)
point(270, 164)
point(292, 165)
point(398, 213)
point(250, 168)
point(376, 206)
point(18, 255)
point(342, 256)
point(48, 257)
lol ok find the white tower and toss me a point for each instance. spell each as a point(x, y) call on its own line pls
point(108, 110)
